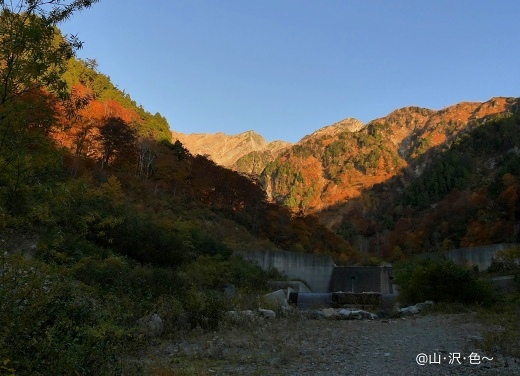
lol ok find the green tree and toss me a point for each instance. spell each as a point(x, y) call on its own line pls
point(440, 280)
point(32, 55)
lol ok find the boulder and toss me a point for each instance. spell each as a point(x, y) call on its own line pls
point(152, 325)
point(267, 313)
point(404, 311)
point(408, 311)
point(278, 298)
point(420, 307)
point(424, 305)
point(330, 313)
point(359, 314)
point(344, 314)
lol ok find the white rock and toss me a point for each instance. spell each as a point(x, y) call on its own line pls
point(330, 313)
point(422, 306)
point(278, 297)
point(344, 314)
point(405, 311)
point(267, 313)
point(152, 325)
point(357, 314)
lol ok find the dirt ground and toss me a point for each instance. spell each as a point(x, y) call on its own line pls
point(301, 346)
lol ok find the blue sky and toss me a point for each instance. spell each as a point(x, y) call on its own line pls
point(286, 68)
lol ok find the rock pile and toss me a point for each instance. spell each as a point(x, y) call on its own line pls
point(339, 314)
point(316, 311)
point(251, 315)
point(415, 309)
point(313, 314)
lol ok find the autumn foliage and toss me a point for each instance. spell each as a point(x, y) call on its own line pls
point(103, 220)
point(466, 196)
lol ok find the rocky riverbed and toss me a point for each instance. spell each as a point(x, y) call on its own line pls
point(445, 344)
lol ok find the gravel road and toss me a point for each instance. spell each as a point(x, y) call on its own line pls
point(298, 346)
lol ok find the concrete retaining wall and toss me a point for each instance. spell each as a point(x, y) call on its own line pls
point(474, 256)
point(480, 256)
point(315, 270)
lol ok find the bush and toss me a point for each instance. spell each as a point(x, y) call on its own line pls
point(204, 308)
point(102, 273)
point(123, 287)
point(441, 281)
point(52, 326)
point(506, 261)
point(170, 309)
point(215, 273)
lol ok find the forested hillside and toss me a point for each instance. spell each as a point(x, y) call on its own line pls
point(103, 220)
point(414, 181)
point(107, 100)
point(462, 195)
point(339, 162)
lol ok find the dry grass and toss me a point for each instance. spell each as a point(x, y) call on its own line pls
point(502, 333)
point(299, 346)
point(239, 347)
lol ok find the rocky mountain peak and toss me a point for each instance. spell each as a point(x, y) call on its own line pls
point(226, 149)
point(345, 125)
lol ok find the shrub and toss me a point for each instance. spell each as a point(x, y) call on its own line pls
point(441, 281)
point(204, 308)
point(503, 332)
point(103, 273)
point(215, 272)
point(123, 287)
point(170, 310)
point(506, 261)
point(50, 325)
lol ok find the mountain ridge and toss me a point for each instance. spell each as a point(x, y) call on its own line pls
point(325, 168)
point(345, 125)
point(226, 150)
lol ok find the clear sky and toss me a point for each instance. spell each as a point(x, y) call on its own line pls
point(286, 68)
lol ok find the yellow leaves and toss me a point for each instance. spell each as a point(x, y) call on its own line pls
point(109, 222)
point(5, 370)
point(397, 254)
point(42, 213)
point(113, 190)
